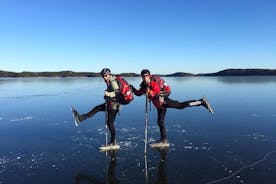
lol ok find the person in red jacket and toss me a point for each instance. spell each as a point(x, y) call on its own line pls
point(158, 92)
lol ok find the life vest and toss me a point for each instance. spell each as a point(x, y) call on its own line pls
point(164, 88)
point(125, 94)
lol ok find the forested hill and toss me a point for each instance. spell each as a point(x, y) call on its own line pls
point(244, 72)
point(228, 72)
point(49, 74)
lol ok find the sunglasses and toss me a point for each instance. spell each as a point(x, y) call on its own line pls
point(105, 75)
point(145, 75)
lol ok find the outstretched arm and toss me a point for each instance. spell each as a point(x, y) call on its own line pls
point(139, 92)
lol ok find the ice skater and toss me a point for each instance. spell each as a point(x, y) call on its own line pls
point(158, 92)
point(113, 99)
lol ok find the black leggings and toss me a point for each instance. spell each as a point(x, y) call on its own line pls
point(111, 115)
point(161, 112)
point(169, 103)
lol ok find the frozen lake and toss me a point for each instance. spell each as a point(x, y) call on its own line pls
point(40, 144)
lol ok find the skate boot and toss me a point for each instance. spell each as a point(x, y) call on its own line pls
point(112, 143)
point(207, 105)
point(162, 141)
point(160, 144)
point(76, 116)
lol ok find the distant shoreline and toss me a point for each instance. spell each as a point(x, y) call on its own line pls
point(227, 72)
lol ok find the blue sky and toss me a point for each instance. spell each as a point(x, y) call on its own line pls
point(165, 36)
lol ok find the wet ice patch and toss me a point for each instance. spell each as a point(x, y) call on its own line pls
point(26, 163)
point(196, 147)
point(176, 126)
point(255, 115)
point(84, 141)
point(21, 119)
point(133, 138)
point(201, 146)
point(259, 137)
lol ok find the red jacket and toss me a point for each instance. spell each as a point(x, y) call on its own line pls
point(153, 92)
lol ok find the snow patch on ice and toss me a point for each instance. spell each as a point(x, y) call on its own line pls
point(129, 144)
point(22, 119)
point(124, 130)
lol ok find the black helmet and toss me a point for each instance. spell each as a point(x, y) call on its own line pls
point(105, 71)
point(145, 71)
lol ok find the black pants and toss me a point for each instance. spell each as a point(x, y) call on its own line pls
point(111, 115)
point(161, 112)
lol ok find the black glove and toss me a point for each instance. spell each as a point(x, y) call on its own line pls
point(132, 88)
